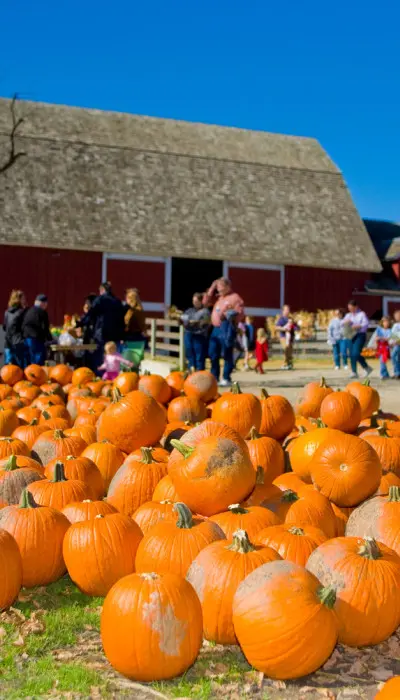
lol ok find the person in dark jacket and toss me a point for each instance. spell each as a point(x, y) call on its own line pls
point(14, 346)
point(107, 316)
point(196, 320)
point(36, 330)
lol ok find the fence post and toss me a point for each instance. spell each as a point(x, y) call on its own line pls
point(182, 363)
point(153, 327)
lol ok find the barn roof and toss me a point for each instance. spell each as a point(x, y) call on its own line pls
point(123, 183)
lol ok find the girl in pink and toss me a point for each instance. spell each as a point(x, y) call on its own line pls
point(113, 361)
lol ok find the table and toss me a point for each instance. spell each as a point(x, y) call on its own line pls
point(59, 351)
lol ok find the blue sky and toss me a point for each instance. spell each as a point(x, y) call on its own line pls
point(329, 70)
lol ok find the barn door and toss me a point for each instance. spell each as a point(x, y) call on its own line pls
point(150, 275)
point(260, 286)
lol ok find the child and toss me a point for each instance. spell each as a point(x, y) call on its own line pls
point(383, 336)
point(261, 349)
point(395, 343)
point(336, 339)
point(113, 361)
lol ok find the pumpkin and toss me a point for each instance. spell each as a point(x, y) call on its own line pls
point(155, 386)
point(158, 454)
point(165, 491)
point(97, 386)
point(170, 546)
point(201, 385)
point(341, 411)
point(126, 382)
point(30, 392)
point(186, 408)
point(14, 479)
point(390, 690)
point(151, 513)
point(151, 626)
point(262, 491)
point(239, 411)
point(56, 411)
point(100, 551)
point(223, 468)
point(8, 422)
point(11, 569)
point(267, 453)
point(5, 391)
point(107, 458)
point(304, 448)
point(252, 519)
point(135, 481)
point(367, 397)
point(284, 620)
point(90, 417)
point(365, 575)
point(62, 374)
point(35, 374)
point(59, 491)
point(27, 414)
point(81, 469)
point(288, 481)
point(29, 432)
point(342, 515)
point(52, 389)
point(215, 575)
point(277, 416)
point(134, 421)
point(378, 518)
point(13, 403)
point(39, 532)
point(86, 432)
point(303, 508)
point(18, 461)
point(11, 374)
point(388, 479)
point(311, 398)
point(81, 376)
point(56, 444)
point(387, 449)
point(13, 446)
point(78, 511)
point(346, 469)
point(290, 542)
point(174, 431)
point(45, 402)
point(175, 381)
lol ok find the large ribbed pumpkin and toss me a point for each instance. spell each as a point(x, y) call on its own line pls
point(367, 397)
point(267, 453)
point(291, 542)
point(303, 449)
point(59, 491)
point(82, 469)
point(278, 418)
point(10, 569)
point(311, 398)
point(56, 444)
point(107, 458)
point(341, 410)
point(252, 519)
point(135, 481)
point(387, 449)
point(378, 518)
point(134, 421)
point(237, 410)
point(201, 385)
point(78, 511)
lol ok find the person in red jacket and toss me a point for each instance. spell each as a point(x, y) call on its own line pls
point(261, 349)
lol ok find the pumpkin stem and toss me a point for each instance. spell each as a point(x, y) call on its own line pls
point(370, 549)
point(323, 383)
point(11, 464)
point(27, 500)
point(116, 395)
point(327, 596)
point(260, 476)
point(382, 430)
point(185, 450)
point(236, 388)
point(149, 576)
point(237, 509)
point(254, 435)
point(296, 531)
point(58, 433)
point(46, 415)
point(289, 496)
point(185, 520)
point(394, 493)
point(374, 420)
point(367, 382)
point(59, 473)
point(241, 543)
point(146, 373)
point(320, 423)
point(264, 394)
point(34, 421)
point(147, 456)
point(301, 430)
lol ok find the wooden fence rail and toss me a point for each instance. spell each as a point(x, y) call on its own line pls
point(167, 338)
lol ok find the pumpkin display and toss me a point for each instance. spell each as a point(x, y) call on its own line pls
point(346, 469)
point(56, 444)
point(239, 411)
point(215, 575)
point(387, 449)
point(165, 491)
point(10, 568)
point(304, 448)
point(186, 408)
point(341, 410)
point(311, 398)
point(175, 381)
point(29, 432)
point(100, 551)
point(39, 532)
point(263, 491)
point(365, 575)
point(367, 397)
point(14, 479)
point(82, 376)
point(378, 518)
point(390, 690)
point(277, 416)
point(61, 373)
point(292, 543)
point(107, 458)
point(126, 382)
point(151, 513)
point(136, 420)
point(78, 511)
point(170, 546)
point(285, 592)
point(135, 481)
point(80, 469)
point(58, 491)
point(11, 374)
point(267, 453)
point(151, 626)
point(303, 508)
point(155, 386)
point(201, 385)
point(221, 465)
point(35, 374)
point(13, 446)
point(252, 519)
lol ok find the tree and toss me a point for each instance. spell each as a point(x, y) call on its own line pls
point(13, 153)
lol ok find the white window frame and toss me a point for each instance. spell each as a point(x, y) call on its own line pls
point(386, 301)
point(259, 310)
point(147, 305)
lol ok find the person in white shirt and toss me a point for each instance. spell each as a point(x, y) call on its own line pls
point(356, 325)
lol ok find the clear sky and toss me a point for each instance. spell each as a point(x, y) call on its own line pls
point(325, 69)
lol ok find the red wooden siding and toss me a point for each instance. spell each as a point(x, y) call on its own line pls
point(148, 277)
point(66, 276)
point(317, 288)
point(393, 306)
point(257, 287)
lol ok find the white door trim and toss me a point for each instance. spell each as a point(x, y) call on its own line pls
point(386, 301)
point(260, 311)
point(147, 305)
point(140, 258)
point(253, 266)
point(167, 282)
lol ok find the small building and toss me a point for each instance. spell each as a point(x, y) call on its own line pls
point(168, 206)
point(384, 287)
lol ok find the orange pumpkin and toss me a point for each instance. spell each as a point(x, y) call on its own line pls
point(155, 386)
point(80, 469)
point(288, 481)
point(28, 414)
point(29, 433)
point(5, 391)
point(86, 432)
point(303, 508)
point(151, 513)
point(186, 408)
point(267, 453)
point(79, 511)
point(278, 418)
point(378, 518)
point(82, 376)
point(62, 374)
point(174, 431)
point(165, 491)
point(367, 397)
point(8, 421)
point(290, 542)
point(135, 481)
point(14, 478)
point(342, 515)
point(13, 446)
point(126, 382)
point(134, 421)
point(57, 411)
point(342, 411)
point(107, 458)
point(387, 449)
point(11, 374)
point(11, 569)
point(311, 398)
point(388, 479)
point(252, 519)
point(35, 374)
point(175, 381)
point(390, 690)
point(239, 411)
point(263, 490)
point(59, 491)
point(158, 454)
point(304, 448)
point(201, 385)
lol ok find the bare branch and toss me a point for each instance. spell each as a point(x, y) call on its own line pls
point(13, 155)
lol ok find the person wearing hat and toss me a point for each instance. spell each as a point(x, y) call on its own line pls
point(36, 330)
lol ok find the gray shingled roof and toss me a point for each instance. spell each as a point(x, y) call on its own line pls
point(122, 183)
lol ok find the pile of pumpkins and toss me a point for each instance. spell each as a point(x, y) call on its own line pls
point(237, 519)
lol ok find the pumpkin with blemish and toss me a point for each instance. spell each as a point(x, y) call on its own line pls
point(252, 519)
point(155, 386)
point(290, 542)
point(237, 410)
point(365, 575)
point(215, 575)
point(14, 479)
point(56, 444)
point(267, 453)
point(186, 409)
point(151, 626)
point(284, 620)
point(201, 385)
point(379, 518)
point(135, 481)
point(10, 568)
point(100, 551)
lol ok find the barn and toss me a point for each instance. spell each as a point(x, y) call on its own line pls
point(167, 206)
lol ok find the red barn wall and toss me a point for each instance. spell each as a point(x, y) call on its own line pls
point(147, 277)
point(258, 288)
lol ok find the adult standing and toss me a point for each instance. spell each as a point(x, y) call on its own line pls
point(134, 317)
point(339, 344)
point(196, 321)
point(14, 346)
point(286, 329)
point(107, 316)
point(228, 310)
point(36, 330)
point(355, 325)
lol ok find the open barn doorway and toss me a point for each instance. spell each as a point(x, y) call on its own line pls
point(190, 275)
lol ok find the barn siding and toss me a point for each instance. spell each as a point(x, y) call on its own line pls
point(258, 288)
point(147, 277)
